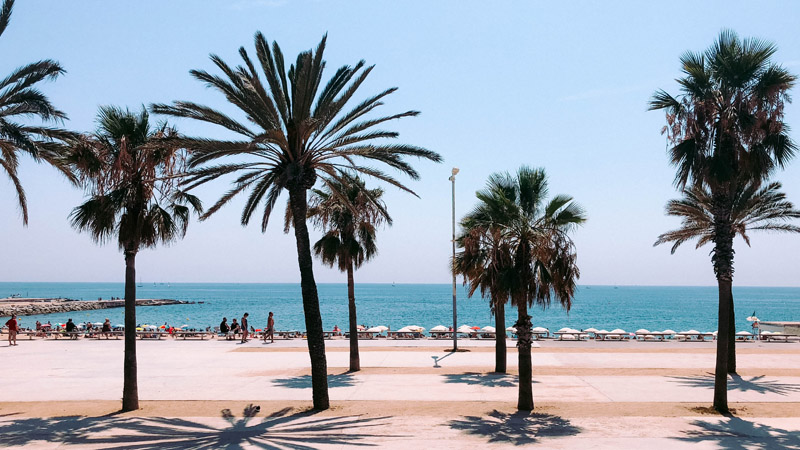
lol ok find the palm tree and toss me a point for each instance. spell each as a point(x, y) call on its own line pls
point(542, 255)
point(726, 127)
point(485, 263)
point(132, 172)
point(754, 208)
point(299, 135)
point(348, 214)
point(19, 98)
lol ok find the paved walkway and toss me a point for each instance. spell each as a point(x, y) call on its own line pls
point(86, 371)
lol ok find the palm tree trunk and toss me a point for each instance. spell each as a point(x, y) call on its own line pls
point(723, 268)
point(316, 342)
point(130, 387)
point(355, 361)
point(500, 335)
point(523, 326)
point(731, 340)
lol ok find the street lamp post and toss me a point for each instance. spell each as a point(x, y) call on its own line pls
point(455, 315)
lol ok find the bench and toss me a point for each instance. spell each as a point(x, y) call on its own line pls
point(73, 335)
point(107, 335)
point(154, 335)
point(191, 335)
point(404, 334)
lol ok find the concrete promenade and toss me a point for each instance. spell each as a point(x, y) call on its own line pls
point(588, 395)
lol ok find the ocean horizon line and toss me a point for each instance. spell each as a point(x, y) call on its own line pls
point(297, 283)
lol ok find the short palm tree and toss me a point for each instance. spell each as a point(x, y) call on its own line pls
point(754, 209)
point(727, 127)
point(485, 262)
point(542, 254)
point(19, 98)
point(131, 171)
point(297, 135)
point(348, 214)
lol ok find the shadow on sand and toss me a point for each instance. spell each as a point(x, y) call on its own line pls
point(482, 379)
point(738, 383)
point(299, 431)
point(733, 433)
point(304, 381)
point(519, 428)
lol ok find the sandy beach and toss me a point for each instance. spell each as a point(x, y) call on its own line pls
point(64, 394)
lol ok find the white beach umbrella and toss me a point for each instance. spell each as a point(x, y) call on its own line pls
point(764, 333)
point(753, 319)
point(668, 331)
point(513, 330)
point(618, 331)
point(565, 330)
point(489, 329)
point(642, 331)
point(591, 330)
point(416, 328)
point(381, 328)
point(405, 330)
point(744, 333)
point(439, 328)
point(603, 331)
point(465, 329)
point(690, 332)
point(374, 330)
point(540, 330)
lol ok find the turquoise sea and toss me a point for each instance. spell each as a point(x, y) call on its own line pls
point(427, 305)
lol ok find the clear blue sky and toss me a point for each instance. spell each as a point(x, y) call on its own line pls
point(563, 85)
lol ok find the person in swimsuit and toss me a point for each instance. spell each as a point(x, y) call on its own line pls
point(13, 328)
point(245, 330)
point(107, 328)
point(270, 331)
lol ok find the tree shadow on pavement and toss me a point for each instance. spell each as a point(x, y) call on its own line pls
point(304, 381)
point(738, 383)
point(733, 433)
point(299, 431)
point(483, 379)
point(519, 428)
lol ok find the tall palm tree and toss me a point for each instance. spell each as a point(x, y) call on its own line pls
point(543, 256)
point(132, 172)
point(485, 263)
point(727, 126)
point(754, 208)
point(348, 214)
point(297, 135)
point(19, 98)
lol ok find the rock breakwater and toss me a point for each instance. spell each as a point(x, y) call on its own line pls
point(34, 306)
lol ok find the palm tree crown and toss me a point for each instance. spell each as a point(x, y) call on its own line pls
point(764, 208)
point(728, 119)
point(537, 233)
point(348, 221)
point(19, 98)
point(296, 131)
point(130, 169)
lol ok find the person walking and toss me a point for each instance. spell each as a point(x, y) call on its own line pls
point(245, 330)
point(13, 328)
point(270, 331)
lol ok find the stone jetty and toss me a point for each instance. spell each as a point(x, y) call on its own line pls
point(34, 306)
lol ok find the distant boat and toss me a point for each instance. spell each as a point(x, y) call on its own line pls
point(140, 282)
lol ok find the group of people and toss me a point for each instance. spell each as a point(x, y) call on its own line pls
point(246, 330)
point(43, 328)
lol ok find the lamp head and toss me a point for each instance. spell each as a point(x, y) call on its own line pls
point(455, 171)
